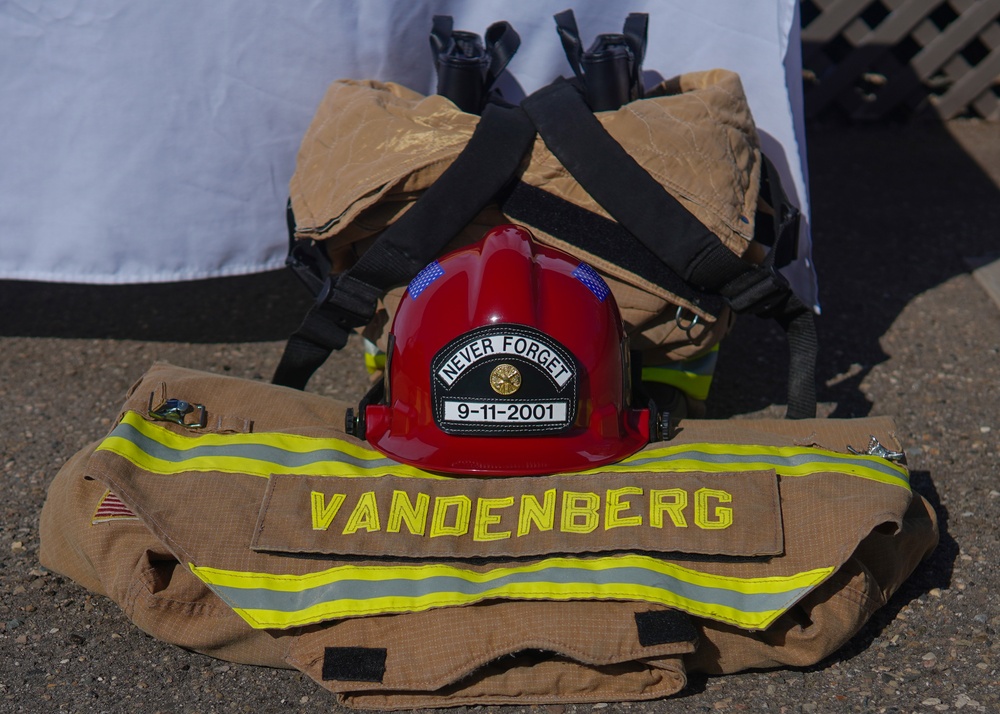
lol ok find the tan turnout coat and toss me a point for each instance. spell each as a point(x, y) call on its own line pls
point(215, 538)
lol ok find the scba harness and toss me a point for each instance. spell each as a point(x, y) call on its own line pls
point(664, 192)
point(264, 534)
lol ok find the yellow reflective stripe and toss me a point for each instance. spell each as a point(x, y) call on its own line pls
point(374, 363)
point(156, 449)
point(153, 447)
point(279, 601)
point(694, 385)
point(374, 357)
point(693, 376)
point(788, 461)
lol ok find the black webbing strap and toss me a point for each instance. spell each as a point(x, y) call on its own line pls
point(616, 181)
point(778, 228)
point(306, 258)
point(349, 300)
point(643, 207)
point(569, 35)
point(797, 320)
point(501, 44)
point(636, 30)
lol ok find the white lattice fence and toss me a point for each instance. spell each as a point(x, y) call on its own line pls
point(872, 60)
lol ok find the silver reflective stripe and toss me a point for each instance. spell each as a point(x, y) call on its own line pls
point(255, 452)
point(550, 579)
point(779, 462)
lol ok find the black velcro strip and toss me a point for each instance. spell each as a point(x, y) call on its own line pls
point(354, 664)
point(661, 627)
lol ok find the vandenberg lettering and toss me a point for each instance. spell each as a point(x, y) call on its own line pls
point(504, 517)
point(519, 345)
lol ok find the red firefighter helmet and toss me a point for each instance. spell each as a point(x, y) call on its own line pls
point(507, 357)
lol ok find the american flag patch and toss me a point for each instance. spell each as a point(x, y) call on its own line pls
point(594, 282)
point(424, 278)
point(111, 508)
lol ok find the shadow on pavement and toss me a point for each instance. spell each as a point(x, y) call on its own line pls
point(251, 308)
point(895, 210)
point(935, 572)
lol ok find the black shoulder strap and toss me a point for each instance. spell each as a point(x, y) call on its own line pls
point(349, 300)
point(569, 34)
point(644, 208)
point(616, 181)
point(777, 227)
point(636, 30)
point(603, 238)
point(502, 41)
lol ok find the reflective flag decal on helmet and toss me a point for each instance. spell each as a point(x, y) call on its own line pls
point(592, 279)
point(280, 601)
point(156, 449)
point(424, 279)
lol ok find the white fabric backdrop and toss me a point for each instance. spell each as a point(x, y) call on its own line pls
point(148, 141)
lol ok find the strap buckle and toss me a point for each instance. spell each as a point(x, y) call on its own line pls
point(757, 291)
point(343, 303)
point(348, 301)
point(310, 264)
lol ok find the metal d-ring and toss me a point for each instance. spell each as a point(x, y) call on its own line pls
point(678, 317)
point(176, 411)
point(875, 448)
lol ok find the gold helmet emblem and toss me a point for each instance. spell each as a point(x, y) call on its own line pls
point(505, 379)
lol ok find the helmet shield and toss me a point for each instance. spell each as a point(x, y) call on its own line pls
point(504, 379)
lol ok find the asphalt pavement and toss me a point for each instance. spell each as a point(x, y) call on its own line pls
point(901, 216)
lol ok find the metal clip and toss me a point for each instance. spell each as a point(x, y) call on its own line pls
point(876, 449)
point(662, 427)
point(175, 410)
point(678, 316)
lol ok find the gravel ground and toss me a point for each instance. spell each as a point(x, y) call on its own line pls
point(906, 331)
